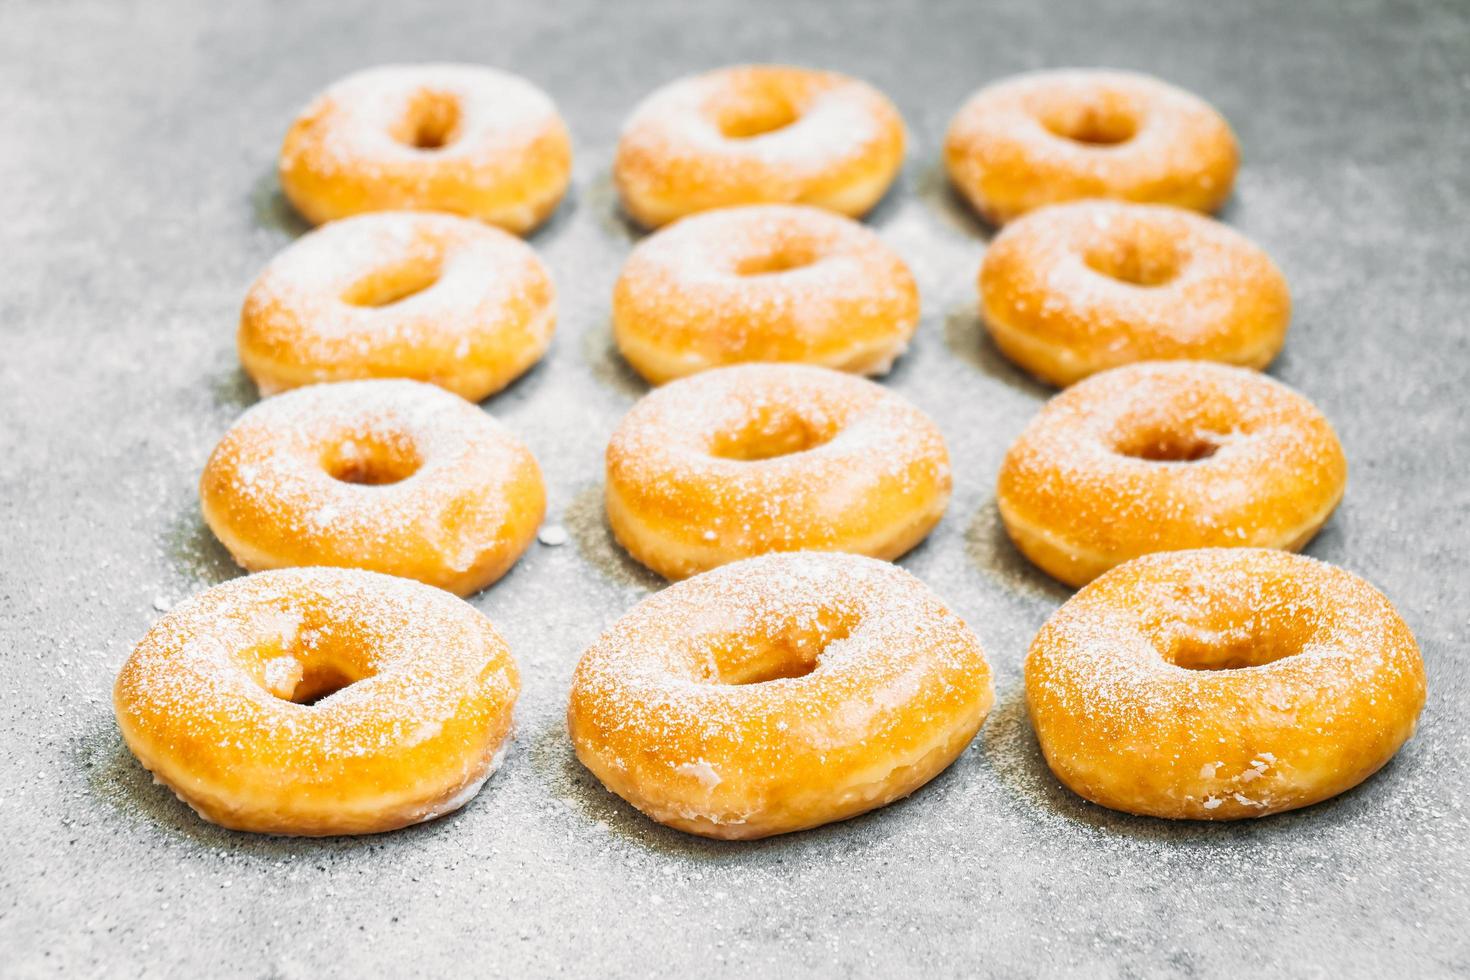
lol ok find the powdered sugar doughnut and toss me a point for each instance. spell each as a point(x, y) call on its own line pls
point(1051, 136)
point(1074, 289)
point(399, 295)
point(1222, 683)
point(763, 283)
point(318, 701)
point(391, 476)
point(458, 138)
point(744, 460)
point(777, 694)
point(754, 134)
point(1165, 456)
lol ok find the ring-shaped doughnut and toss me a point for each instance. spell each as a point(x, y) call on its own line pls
point(430, 297)
point(777, 694)
point(317, 701)
point(390, 476)
point(745, 460)
point(1222, 683)
point(763, 283)
point(1165, 456)
point(1052, 136)
point(439, 137)
point(1074, 289)
point(758, 134)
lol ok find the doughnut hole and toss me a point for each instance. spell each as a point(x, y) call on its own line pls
point(306, 666)
point(431, 122)
point(794, 649)
point(754, 110)
point(1167, 445)
point(1140, 255)
point(372, 459)
point(783, 258)
point(394, 283)
point(772, 432)
point(1099, 119)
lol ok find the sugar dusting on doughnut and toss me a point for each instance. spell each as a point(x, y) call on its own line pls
point(849, 466)
point(868, 673)
point(426, 691)
point(763, 283)
point(455, 501)
point(1164, 456)
point(1222, 683)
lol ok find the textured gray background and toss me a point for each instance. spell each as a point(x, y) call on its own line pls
point(137, 201)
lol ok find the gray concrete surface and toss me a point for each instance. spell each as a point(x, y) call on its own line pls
point(137, 143)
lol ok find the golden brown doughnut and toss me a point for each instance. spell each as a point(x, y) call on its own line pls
point(758, 134)
point(1051, 136)
point(392, 476)
point(318, 701)
point(763, 283)
point(1222, 683)
point(430, 297)
point(1164, 456)
point(1074, 289)
point(744, 460)
point(459, 138)
point(777, 694)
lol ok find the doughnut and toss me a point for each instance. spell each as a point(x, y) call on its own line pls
point(319, 701)
point(744, 460)
point(1074, 289)
point(758, 134)
point(1165, 456)
point(391, 476)
point(766, 282)
point(1222, 683)
point(778, 693)
point(399, 295)
point(459, 138)
point(1052, 136)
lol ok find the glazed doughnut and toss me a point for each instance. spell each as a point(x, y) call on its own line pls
point(391, 476)
point(763, 283)
point(758, 134)
point(399, 295)
point(319, 701)
point(1051, 136)
point(1074, 289)
point(1222, 683)
point(777, 694)
point(457, 138)
point(1166, 456)
point(744, 460)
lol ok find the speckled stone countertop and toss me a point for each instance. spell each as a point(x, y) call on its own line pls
point(138, 195)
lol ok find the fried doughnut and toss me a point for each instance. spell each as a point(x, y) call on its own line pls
point(1051, 136)
point(459, 138)
point(399, 295)
point(1074, 289)
point(319, 701)
point(1222, 683)
point(777, 694)
point(391, 476)
point(1167, 456)
point(744, 460)
point(758, 134)
point(763, 283)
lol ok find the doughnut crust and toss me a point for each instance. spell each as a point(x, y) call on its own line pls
point(430, 297)
point(1222, 683)
point(779, 283)
point(392, 476)
point(1074, 289)
point(319, 701)
point(758, 134)
point(744, 460)
point(777, 694)
point(1051, 136)
point(439, 137)
point(1165, 456)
